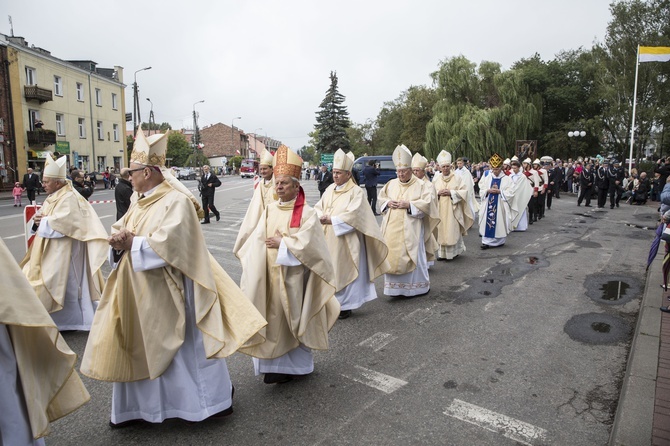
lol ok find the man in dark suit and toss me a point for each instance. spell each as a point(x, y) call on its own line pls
point(208, 183)
point(325, 179)
point(555, 179)
point(586, 180)
point(122, 193)
point(370, 174)
point(31, 182)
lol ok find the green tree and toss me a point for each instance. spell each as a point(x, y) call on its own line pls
point(160, 128)
point(479, 111)
point(332, 120)
point(178, 149)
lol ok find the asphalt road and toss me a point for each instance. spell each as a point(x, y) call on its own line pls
point(515, 345)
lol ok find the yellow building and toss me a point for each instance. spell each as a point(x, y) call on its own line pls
point(74, 108)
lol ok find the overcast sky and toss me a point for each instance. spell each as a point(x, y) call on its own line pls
point(269, 61)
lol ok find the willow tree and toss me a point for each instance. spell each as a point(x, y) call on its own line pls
point(479, 110)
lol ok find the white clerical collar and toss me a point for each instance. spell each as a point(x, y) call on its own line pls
point(340, 187)
point(150, 191)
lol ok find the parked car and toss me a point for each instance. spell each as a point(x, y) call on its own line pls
point(186, 173)
point(384, 164)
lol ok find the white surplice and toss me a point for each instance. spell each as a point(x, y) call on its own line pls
point(193, 387)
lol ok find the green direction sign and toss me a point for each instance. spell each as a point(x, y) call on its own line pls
point(63, 147)
point(327, 158)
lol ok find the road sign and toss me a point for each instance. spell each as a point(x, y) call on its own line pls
point(327, 158)
point(28, 214)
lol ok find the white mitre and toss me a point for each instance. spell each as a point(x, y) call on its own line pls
point(402, 157)
point(149, 151)
point(343, 161)
point(444, 158)
point(419, 161)
point(55, 168)
point(266, 158)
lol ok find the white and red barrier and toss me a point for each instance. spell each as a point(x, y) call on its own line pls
point(28, 216)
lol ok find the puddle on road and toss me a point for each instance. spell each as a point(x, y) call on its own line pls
point(601, 327)
point(532, 260)
point(614, 290)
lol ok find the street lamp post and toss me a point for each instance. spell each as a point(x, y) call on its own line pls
point(136, 102)
point(256, 138)
point(151, 117)
point(575, 134)
point(232, 132)
point(196, 132)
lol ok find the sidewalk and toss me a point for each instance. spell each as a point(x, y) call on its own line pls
point(643, 413)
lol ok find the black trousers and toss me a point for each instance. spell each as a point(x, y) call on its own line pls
point(615, 193)
point(207, 205)
point(584, 194)
point(372, 197)
point(31, 195)
point(541, 203)
point(602, 197)
point(532, 209)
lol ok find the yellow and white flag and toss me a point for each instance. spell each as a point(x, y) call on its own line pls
point(654, 54)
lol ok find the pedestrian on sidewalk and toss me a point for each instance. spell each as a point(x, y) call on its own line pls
point(17, 192)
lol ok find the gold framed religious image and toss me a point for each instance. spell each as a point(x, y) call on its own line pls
point(526, 149)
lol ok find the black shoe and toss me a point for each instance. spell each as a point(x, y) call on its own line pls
point(218, 217)
point(530, 222)
point(277, 378)
point(665, 309)
point(485, 246)
point(611, 207)
point(617, 205)
point(587, 205)
point(579, 204)
point(222, 414)
point(125, 424)
point(14, 205)
point(204, 222)
point(344, 314)
point(548, 209)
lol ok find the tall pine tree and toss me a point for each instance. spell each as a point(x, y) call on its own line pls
point(332, 120)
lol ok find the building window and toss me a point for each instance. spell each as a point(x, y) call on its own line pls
point(58, 86)
point(98, 97)
point(60, 124)
point(83, 163)
point(80, 92)
point(34, 118)
point(82, 128)
point(117, 163)
point(102, 163)
point(115, 104)
point(31, 76)
point(116, 132)
point(100, 132)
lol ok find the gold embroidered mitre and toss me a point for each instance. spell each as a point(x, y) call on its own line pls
point(402, 157)
point(495, 161)
point(287, 162)
point(149, 151)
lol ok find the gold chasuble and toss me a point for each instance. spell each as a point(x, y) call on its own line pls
point(455, 214)
point(297, 301)
point(401, 231)
point(350, 205)
point(264, 194)
point(51, 386)
point(47, 261)
point(140, 323)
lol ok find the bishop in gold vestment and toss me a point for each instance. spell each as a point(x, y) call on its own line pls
point(354, 239)
point(410, 215)
point(63, 263)
point(169, 313)
point(455, 213)
point(288, 275)
point(39, 382)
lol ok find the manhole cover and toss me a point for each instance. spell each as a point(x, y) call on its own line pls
point(597, 328)
point(612, 289)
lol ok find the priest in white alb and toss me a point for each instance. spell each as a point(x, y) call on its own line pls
point(288, 275)
point(495, 218)
point(169, 313)
point(355, 242)
point(455, 213)
point(518, 195)
point(410, 215)
point(70, 246)
point(39, 380)
point(419, 163)
point(264, 194)
point(466, 176)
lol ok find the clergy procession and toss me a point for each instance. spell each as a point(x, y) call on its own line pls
point(162, 324)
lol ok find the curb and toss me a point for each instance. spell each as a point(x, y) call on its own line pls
point(635, 412)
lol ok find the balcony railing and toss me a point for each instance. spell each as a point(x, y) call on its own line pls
point(45, 137)
point(35, 93)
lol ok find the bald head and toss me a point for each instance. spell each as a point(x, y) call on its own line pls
point(125, 173)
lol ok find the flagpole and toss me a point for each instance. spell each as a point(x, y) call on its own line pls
point(632, 125)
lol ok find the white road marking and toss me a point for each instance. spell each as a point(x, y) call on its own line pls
point(378, 341)
point(385, 383)
point(13, 236)
point(419, 315)
point(106, 216)
point(7, 217)
point(514, 429)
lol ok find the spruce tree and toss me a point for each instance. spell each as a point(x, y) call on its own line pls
point(332, 120)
